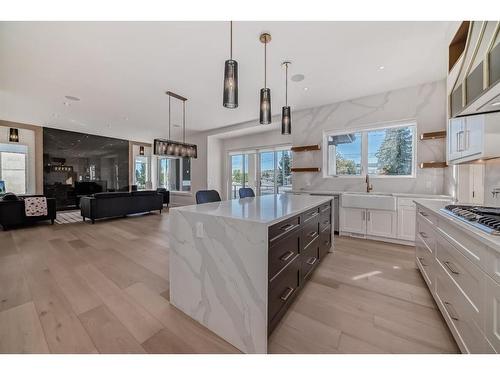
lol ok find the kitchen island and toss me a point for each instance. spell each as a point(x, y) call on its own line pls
point(235, 266)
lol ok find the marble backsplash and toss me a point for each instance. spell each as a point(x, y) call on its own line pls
point(492, 181)
point(425, 104)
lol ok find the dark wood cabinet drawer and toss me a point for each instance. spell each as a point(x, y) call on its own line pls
point(310, 215)
point(325, 242)
point(283, 252)
point(325, 220)
point(310, 258)
point(309, 233)
point(325, 207)
point(280, 229)
point(282, 290)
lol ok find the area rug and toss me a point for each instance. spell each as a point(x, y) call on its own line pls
point(67, 217)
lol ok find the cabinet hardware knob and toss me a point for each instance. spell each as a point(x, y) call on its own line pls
point(287, 294)
point(287, 255)
point(311, 234)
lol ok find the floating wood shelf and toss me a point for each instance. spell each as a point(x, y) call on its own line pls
point(306, 148)
point(310, 169)
point(433, 164)
point(433, 135)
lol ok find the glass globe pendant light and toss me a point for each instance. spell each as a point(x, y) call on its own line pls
point(230, 97)
point(265, 93)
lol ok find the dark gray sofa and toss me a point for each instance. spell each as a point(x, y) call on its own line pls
point(105, 205)
point(12, 212)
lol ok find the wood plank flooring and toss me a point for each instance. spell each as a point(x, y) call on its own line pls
point(103, 288)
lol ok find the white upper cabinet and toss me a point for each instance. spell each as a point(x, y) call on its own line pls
point(473, 138)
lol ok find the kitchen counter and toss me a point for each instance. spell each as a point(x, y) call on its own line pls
point(265, 209)
point(435, 206)
point(221, 267)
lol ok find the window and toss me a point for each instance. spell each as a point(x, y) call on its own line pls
point(174, 174)
point(265, 171)
point(384, 151)
point(141, 172)
point(13, 169)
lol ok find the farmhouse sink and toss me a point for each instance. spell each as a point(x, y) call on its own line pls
point(369, 201)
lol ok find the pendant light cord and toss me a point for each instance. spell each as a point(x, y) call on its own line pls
point(169, 97)
point(286, 85)
point(231, 48)
point(265, 65)
point(184, 121)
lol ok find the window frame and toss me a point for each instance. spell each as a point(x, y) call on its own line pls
point(180, 178)
point(17, 149)
point(364, 148)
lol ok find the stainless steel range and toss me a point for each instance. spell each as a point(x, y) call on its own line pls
point(486, 219)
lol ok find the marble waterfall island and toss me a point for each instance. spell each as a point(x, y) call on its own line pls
point(235, 266)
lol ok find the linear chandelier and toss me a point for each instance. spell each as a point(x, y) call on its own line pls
point(169, 147)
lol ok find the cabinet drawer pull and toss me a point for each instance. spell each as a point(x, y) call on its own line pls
point(311, 261)
point(326, 222)
point(310, 216)
point(450, 266)
point(312, 234)
point(327, 242)
point(287, 227)
point(421, 259)
point(451, 311)
point(287, 255)
point(288, 293)
point(423, 235)
point(326, 208)
point(423, 213)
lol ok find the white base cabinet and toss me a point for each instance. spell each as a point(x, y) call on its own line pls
point(457, 270)
point(362, 222)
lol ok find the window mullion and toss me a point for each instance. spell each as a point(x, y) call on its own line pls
point(364, 153)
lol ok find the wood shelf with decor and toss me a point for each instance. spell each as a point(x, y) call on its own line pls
point(433, 164)
point(307, 169)
point(306, 148)
point(433, 135)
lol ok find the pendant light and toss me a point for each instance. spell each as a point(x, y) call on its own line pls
point(230, 98)
point(175, 148)
point(141, 150)
point(265, 93)
point(286, 114)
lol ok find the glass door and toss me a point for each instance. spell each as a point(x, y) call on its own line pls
point(238, 174)
point(267, 173)
point(283, 171)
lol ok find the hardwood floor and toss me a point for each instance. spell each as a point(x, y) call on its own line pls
point(103, 288)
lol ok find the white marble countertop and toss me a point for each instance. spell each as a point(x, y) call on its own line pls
point(265, 209)
point(436, 205)
point(336, 192)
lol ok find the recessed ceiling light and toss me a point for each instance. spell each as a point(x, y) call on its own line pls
point(381, 67)
point(298, 77)
point(73, 98)
point(67, 104)
point(306, 88)
point(495, 104)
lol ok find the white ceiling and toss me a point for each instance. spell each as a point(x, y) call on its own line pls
point(120, 70)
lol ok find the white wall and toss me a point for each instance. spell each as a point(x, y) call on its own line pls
point(491, 181)
point(27, 138)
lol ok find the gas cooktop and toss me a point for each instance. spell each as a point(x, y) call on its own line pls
point(486, 219)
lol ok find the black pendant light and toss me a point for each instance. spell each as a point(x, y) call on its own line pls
point(286, 114)
point(141, 150)
point(230, 99)
point(175, 148)
point(265, 93)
